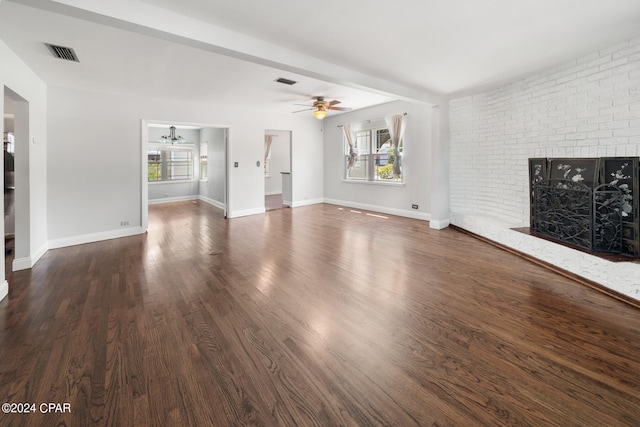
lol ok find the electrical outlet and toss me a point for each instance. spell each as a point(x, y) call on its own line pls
point(124, 223)
point(414, 206)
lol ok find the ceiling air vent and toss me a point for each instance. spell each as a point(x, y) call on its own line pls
point(285, 81)
point(62, 52)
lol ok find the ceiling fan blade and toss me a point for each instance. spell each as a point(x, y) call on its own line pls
point(304, 105)
point(339, 108)
point(306, 109)
point(334, 102)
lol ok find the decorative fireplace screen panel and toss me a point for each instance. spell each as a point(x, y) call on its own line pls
point(570, 212)
point(622, 172)
point(562, 210)
point(607, 219)
point(588, 203)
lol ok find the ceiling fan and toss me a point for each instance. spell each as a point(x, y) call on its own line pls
point(322, 107)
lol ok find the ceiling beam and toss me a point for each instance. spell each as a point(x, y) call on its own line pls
point(146, 19)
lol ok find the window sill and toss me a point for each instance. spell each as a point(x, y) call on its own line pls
point(390, 184)
point(181, 181)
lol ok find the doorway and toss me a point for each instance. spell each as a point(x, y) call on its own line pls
point(9, 183)
point(16, 175)
point(277, 169)
point(197, 162)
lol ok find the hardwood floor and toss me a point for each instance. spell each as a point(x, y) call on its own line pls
point(314, 316)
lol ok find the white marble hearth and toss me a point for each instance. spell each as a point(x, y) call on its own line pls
point(622, 277)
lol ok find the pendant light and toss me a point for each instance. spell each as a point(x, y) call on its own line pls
point(172, 138)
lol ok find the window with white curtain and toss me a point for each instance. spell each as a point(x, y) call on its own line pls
point(267, 166)
point(268, 141)
point(375, 156)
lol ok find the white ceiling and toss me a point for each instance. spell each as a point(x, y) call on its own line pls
point(363, 52)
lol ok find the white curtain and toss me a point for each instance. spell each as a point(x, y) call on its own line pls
point(396, 126)
point(349, 136)
point(268, 140)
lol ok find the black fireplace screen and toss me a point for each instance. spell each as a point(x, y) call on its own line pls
point(572, 213)
point(595, 211)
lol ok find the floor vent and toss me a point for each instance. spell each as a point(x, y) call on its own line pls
point(62, 52)
point(285, 81)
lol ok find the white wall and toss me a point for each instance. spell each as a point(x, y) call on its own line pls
point(416, 163)
point(588, 107)
point(212, 190)
point(280, 160)
point(95, 158)
point(31, 166)
point(173, 191)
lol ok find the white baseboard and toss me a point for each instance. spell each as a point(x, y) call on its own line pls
point(172, 199)
point(212, 202)
point(21, 264)
point(238, 214)
point(94, 237)
point(4, 290)
point(273, 193)
point(305, 203)
point(35, 257)
point(439, 225)
point(381, 209)
point(26, 263)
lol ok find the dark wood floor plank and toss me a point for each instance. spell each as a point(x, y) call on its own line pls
point(314, 316)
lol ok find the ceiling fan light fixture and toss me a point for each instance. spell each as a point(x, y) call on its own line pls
point(320, 113)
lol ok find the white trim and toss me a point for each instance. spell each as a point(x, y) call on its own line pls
point(95, 237)
point(21, 264)
point(174, 181)
point(423, 216)
point(172, 199)
point(164, 146)
point(303, 203)
point(28, 262)
point(35, 256)
point(439, 225)
point(273, 193)
point(144, 174)
point(238, 214)
point(4, 290)
point(212, 202)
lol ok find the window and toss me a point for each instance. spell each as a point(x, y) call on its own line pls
point(268, 142)
point(204, 169)
point(155, 165)
point(169, 165)
point(376, 156)
point(267, 165)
